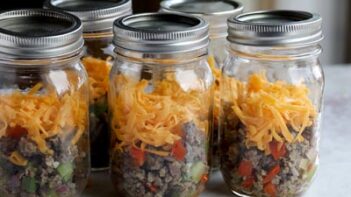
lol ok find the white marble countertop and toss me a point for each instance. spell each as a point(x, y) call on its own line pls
point(334, 175)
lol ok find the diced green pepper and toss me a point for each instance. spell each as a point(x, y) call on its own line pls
point(65, 170)
point(311, 173)
point(98, 108)
point(28, 184)
point(197, 171)
point(52, 193)
point(207, 146)
point(177, 191)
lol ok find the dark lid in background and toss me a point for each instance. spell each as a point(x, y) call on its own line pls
point(39, 33)
point(96, 15)
point(215, 12)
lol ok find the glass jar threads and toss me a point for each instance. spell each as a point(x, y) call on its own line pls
point(160, 105)
point(216, 14)
point(44, 139)
point(97, 17)
point(272, 88)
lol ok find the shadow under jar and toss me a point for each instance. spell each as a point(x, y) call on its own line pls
point(216, 14)
point(160, 104)
point(272, 87)
point(44, 138)
point(97, 17)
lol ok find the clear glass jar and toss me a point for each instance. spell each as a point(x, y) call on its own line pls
point(97, 17)
point(216, 57)
point(97, 60)
point(272, 89)
point(216, 14)
point(160, 104)
point(44, 138)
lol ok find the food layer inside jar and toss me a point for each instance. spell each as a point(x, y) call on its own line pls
point(98, 73)
point(269, 139)
point(42, 149)
point(215, 160)
point(160, 138)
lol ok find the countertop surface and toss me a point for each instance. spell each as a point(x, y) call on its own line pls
point(334, 174)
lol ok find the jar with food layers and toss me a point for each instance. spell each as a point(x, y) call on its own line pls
point(272, 88)
point(97, 17)
point(44, 138)
point(216, 14)
point(160, 104)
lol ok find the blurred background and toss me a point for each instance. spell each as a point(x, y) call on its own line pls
point(336, 16)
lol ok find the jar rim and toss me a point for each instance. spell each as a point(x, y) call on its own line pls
point(276, 53)
point(161, 58)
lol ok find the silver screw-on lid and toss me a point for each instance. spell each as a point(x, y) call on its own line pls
point(96, 15)
point(275, 28)
point(215, 12)
point(161, 33)
point(38, 34)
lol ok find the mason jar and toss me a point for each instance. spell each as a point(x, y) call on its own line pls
point(97, 17)
point(216, 14)
point(160, 104)
point(44, 138)
point(272, 88)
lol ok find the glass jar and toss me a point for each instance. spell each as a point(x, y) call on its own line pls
point(44, 138)
point(216, 14)
point(97, 17)
point(272, 87)
point(160, 103)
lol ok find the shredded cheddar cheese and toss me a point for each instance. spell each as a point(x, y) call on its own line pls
point(215, 70)
point(43, 115)
point(18, 159)
point(142, 117)
point(98, 72)
point(268, 110)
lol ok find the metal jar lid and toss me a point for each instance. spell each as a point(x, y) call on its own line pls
point(96, 15)
point(215, 12)
point(276, 28)
point(39, 34)
point(161, 33)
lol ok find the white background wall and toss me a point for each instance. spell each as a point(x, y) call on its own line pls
point(335, 15)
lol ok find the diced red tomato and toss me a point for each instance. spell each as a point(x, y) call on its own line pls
point(271, 174)
point(270, 189)
point(248, 183)
point(278, 150)
point(245, 168)
point(152, 188)
point(204, 178)
point(138, 155)
point(178, 150)
point(310, 167)
point(178, 131)
point(16, 132)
